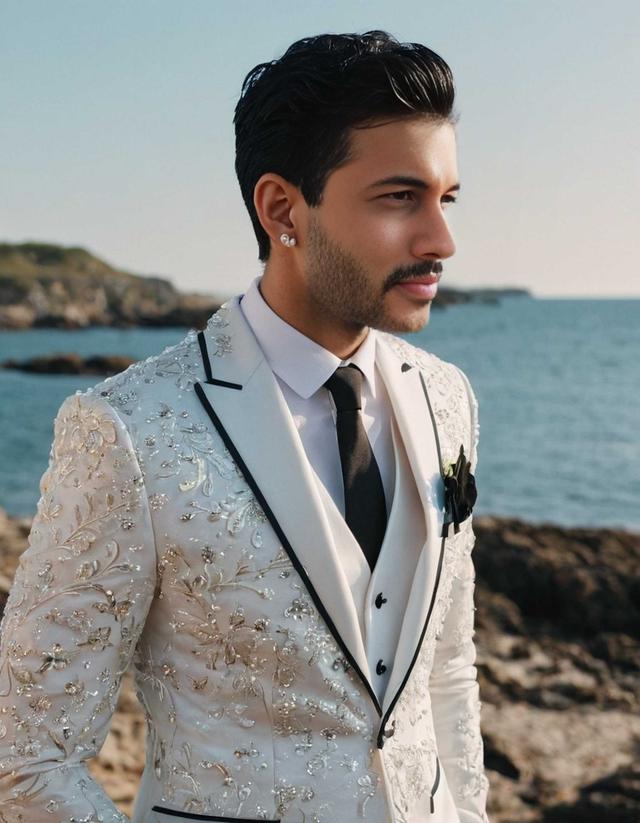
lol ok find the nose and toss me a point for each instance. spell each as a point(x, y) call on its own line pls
point(433, 237)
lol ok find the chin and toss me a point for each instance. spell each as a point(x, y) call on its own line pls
point(404, 315)
point(416, 326)
point(402, 325)
point(411, 321)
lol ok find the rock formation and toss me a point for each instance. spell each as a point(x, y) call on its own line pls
point(43, 284)
point(558, 641)
point(71, 363)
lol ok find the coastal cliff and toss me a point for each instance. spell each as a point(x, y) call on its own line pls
point(42, 284)
point(558, 643)
point(48, 285)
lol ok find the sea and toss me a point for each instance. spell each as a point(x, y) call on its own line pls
point(557, 382)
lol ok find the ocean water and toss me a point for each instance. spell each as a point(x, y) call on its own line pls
point(557, 382)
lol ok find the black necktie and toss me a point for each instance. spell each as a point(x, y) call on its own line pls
point(364, 502)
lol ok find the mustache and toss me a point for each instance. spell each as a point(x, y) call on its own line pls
point(418, 269)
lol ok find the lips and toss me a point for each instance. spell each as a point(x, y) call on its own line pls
point(424, 288)
point(426, 280)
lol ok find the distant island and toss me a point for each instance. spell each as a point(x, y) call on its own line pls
point(46, 285)
point(54, 286)
point(71, 363)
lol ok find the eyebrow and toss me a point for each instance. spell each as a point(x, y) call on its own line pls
point(404, 180)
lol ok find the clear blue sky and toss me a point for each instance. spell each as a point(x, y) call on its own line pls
point(116, 132)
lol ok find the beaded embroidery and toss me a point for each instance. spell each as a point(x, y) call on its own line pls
point(149, 546)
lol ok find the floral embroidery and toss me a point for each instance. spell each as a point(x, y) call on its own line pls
point(218, 345)
point(150, 548)
point(63, 620)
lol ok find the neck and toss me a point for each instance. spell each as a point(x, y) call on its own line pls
point(292, 302)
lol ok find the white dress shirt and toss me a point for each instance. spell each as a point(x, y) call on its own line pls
point(301, 367)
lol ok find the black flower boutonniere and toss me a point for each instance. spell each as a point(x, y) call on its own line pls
point(459, 493)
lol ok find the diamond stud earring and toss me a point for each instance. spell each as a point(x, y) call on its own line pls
point(288, 241)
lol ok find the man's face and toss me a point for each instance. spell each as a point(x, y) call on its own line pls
point(368, 236)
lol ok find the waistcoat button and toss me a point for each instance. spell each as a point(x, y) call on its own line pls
point(380, 667)
point(380, 600)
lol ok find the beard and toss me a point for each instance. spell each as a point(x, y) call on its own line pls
point(341, 287)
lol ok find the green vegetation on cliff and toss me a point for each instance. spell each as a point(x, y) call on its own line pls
point(43, 284)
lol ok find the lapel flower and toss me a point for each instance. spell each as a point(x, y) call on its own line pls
point(459, 493)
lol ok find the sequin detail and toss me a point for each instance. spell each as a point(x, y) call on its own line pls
point(74, 613)
point(150, 548)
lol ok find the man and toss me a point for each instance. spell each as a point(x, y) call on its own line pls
point(259, 517)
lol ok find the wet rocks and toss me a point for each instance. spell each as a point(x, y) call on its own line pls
point(558, 642)
point(47, 285)
point(71, 363)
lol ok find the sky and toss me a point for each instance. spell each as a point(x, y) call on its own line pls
point(116, 132)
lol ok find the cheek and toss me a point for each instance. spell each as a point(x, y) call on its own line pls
point(384, 241)
point(376, 234)
point(388, 232)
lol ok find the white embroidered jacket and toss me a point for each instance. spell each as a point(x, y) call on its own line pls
point(180, 529)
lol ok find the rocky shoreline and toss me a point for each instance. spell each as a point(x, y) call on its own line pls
point(558, 641)
point(52, 286)
point(71, 363)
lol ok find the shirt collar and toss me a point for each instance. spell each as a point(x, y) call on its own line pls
point(303, 364)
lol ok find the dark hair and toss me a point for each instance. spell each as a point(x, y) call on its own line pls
point(294, 114)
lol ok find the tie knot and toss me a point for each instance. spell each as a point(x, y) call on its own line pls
point(345, 384)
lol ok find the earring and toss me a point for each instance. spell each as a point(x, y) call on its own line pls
point(288, 241)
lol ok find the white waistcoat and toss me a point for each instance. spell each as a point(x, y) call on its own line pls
point(381, 597)
point(180, 531)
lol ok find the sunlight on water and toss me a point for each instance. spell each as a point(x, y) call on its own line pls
point(558, 386)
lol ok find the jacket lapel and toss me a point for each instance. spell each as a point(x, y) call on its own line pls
point(419, 434)
point(245, 404)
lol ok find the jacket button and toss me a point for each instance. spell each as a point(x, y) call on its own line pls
point(380, 600)
point(380, 667)
point(390, 732)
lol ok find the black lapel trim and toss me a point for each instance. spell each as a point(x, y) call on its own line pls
point(226, 383)
point(207, 366)
point(283, 538)
point(381, 733)
point(194, 816)
point(205, 356)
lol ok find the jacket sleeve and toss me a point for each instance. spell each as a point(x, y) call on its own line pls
point(453, 682)
point(76, 608)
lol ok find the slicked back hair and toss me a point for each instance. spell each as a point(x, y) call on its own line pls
point(295, 113)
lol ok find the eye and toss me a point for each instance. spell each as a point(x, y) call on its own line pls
point(398, 195)
point(406, 195)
